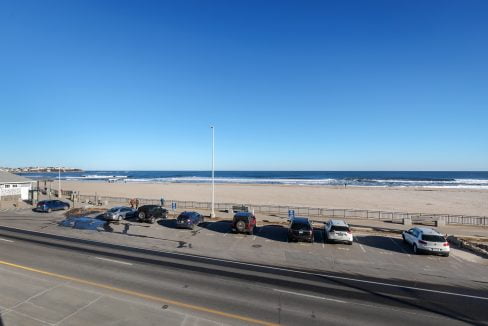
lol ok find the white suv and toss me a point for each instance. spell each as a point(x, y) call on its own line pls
point(426, 240)
point(337, 231)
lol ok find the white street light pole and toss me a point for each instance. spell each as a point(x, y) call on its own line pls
point(212, 214)
point(59, 182)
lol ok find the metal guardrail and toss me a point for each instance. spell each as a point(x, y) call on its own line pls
point(313, 212)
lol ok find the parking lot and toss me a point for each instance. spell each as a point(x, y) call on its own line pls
point(372, 253)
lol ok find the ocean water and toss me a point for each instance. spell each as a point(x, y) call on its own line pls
point(434, 179)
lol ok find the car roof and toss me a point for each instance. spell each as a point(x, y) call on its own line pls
point(425, 230)
point(338, 222)
point(299, 219)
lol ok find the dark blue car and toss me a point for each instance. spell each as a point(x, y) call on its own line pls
point(188, 220)
point(51, 205)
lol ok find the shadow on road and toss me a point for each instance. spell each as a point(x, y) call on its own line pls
point(272, 232)
point(169, 223)
point(384, 243)
point(223, 226)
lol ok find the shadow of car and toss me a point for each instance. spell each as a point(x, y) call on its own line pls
point(84, 223)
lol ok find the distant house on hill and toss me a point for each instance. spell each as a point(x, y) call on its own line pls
point(14, 186)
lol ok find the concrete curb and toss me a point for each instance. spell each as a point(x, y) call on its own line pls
point(478, 249)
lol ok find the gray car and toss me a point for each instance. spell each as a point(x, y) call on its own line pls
point(118, 213)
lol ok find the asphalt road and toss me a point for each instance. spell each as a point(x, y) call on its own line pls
point(238, 293)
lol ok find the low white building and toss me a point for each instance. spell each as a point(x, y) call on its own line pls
point(14, 186)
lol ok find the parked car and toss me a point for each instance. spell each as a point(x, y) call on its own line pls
point(118, 213)
point(188, 220)
point(426, 240)
point(150, 213)
point(337, 231)
point(300, 229)
point(51, 205)
point(244, 222)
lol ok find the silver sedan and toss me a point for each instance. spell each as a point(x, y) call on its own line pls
point(118, 213)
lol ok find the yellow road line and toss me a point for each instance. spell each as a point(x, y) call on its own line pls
point(142, 295)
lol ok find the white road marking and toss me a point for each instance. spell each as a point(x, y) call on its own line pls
point(324, 275)
point(6, 240)
point(253, 238)
point(225, 234)
point(309, 296)
point(457, 258)
point(323, 245)
point(114, 261)
point(362, 248)
point(342, 248)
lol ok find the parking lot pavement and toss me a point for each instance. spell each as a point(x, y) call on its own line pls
point(371, 254)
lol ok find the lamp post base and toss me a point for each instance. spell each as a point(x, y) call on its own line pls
point(212, 215)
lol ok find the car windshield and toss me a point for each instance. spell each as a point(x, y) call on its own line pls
point(433, 238)
point(113, 209)
point(339, 228)
point(300, 226)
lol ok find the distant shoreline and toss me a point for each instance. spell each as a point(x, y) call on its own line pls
point(41, 170)
point(340, 179)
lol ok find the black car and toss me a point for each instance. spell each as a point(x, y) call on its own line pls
point(150, 213)
point(300, 229)
point(189, 220)
point(244, 222)
point(51, 205)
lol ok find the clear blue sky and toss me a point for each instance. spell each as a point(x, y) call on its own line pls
point(289, 85)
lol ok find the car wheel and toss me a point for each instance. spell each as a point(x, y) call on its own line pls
point(415, 250)
point(241, 226)
point(141, 216)
point(349, 243)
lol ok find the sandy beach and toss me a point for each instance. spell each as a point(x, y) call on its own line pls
point(414, 200)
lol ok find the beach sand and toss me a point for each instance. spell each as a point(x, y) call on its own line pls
point(412, 200)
